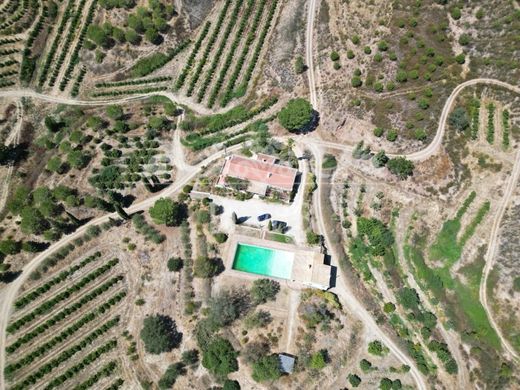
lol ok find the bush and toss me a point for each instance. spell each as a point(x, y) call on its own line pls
point(356, 82)
point(460, 58)
point(401, 167)
point(354, 380)
point(190, 357)
point(171, 374)
point(377, 348)
point(391, 135)
point(175, 264)
point(334, 56)
point(455, 13)
point(166, 211)
point(389, 307)
point(264, 290)
point(365, 365)
point(318, 360)
point(295, 115)
point(299, 65)
point(378, 131)
point(231, 385)
point(458, 119)
point(220, 358)
point(220, 237)
point(205, 267)
point(159, 334)
point(267, 368)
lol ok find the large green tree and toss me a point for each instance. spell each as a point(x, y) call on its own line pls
point(267, 368)
point(166, 211)
point(296, 114)
point(220, 358)
point(401, 167)
point(159, 334)
point(264, 290)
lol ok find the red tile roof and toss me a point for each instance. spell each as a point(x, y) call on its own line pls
point(273, 175)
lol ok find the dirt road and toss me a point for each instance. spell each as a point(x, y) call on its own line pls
point(309, 52)
point(347, 296)
point(491, 251)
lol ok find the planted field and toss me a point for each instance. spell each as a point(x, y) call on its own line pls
point(62, 332)
point(221, 67)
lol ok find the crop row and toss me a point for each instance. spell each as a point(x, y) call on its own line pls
point(116, 384)
point(491, 123)
point(37, 27)
point(8, 73)
point(258, 49)
point(505, 129)
point(28, 298)
point(223, 42)
point(70, 36)
point(150, 64)
point(16, 14)
point(75, 88)
point(74, 59)
point(56, 42)
point(228, 94)
point(5, 52)
point(133, 82)
point(209, 47)
point(105, 371)
point(7, 63)
point(231, 53)
point(475, 119)
point(62, 336)
point(129, 91)
point(47, 306)
point(87, 360)
point(189, 63)
point(10, 7)
point(6, 83)
point(64, 313)
point(65, 355)
point(7, 40)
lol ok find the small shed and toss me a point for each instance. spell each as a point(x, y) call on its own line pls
point(286, 362)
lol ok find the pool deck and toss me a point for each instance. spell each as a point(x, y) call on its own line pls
point(309, 269)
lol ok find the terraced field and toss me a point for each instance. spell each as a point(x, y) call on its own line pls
point(227, 52)
point(64, 331)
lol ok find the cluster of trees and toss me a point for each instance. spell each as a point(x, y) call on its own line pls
point(160, 334)
point(47, 305)
point(68, 332)
point(296, 115)
point(490, 136)
point(399, 166)
point(66, 355)
point(191, 59)
point(62, 276)
point(232, 21)
point(229, 91)
point(444, 355)
point(379, 236)
point(209, 47)
point(244, 22)
point(147, 230)
point(74, 59)
point(109, 4)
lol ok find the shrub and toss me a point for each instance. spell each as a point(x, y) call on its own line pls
point(220, 237)
point(318, 360)
point(391, 135)
point(455, 13)
point(377, 348)
point(267, 368)
point(205, 267)
point(365, 365)
point(378, 131)
point(299, 65)
point(231, 385)
point(264, 290)
point(334, 56)
point(175, 264)
point(459, 119)
point(159, 334)
point(401, 167)
point(356, 82)
point(460, 58)
point(190, 357)
point(171, 374)
point(389, 307)
point(354, 380)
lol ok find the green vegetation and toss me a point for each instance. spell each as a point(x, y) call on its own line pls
point(266, 368)
point(175, 264)
point(296, 115)
point(401, 167)
point(490, 137)
point(329, 161)
point(377, 348)
point(154, 61)
point(264, 290)
point(220, 358)
point(505, 129)
point(191, 59)
point(159, 334)
point(171, 374)
point(168, 212)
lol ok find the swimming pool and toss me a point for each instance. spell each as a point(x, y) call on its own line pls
point(263, 261)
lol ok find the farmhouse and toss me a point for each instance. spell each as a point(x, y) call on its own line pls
point(258, 175)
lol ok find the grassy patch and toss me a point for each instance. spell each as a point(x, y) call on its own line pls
point(278, 237)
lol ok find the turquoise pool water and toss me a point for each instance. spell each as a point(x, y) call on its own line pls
point(263, 261)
